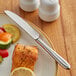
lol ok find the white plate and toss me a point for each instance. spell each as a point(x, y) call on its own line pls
point(45, 65)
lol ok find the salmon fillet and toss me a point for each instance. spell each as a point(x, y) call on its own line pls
point(24, 56)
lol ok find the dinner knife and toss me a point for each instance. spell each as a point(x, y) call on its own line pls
point(35, 35)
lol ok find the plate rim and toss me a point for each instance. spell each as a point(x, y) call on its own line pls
point(41, 32)
point(47, 38)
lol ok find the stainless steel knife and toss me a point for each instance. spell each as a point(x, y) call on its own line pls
point(35, 35)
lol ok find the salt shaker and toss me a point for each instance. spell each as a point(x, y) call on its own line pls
point(29, 5)
point(49, 10)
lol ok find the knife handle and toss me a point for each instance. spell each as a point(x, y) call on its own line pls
point(52, 53)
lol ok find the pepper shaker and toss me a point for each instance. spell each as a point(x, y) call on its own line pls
point(49, 10)
point(29, 5)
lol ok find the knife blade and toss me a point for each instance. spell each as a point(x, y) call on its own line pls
point(35, 35)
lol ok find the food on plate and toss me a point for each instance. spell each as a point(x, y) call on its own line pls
point(1, 59)
point(2, 30)
point(12, 30)
point(5, 36)
point(24, 56)
point(8, 34)
point(4, 53)
point(5, 40)
point(22, 71)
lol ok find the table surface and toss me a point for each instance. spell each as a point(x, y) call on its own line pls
point(61, 32)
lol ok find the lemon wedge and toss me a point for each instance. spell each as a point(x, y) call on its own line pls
point(22, 71)
point(12, 29)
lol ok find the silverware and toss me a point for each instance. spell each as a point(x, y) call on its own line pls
point(35, 35)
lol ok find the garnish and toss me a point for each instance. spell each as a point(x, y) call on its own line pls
point(4, 53)
point(1, 59)
point(12, 30)
point(2, 30)
point(5, 40)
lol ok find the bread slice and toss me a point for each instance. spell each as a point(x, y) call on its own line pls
point(24, 56)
